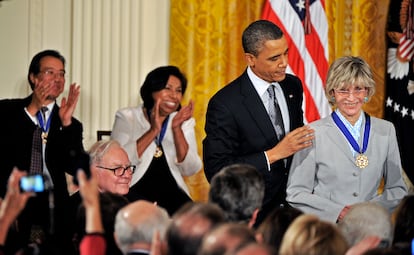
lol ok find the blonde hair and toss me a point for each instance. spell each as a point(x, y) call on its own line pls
point(347, 71)
point(308, 235)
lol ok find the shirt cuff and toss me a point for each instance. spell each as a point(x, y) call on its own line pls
point(267, 161)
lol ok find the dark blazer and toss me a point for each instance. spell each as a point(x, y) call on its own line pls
point(16, 131)
point(239, 130)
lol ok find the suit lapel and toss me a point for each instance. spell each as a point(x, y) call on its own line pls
point(337, 137)
point(254, 105)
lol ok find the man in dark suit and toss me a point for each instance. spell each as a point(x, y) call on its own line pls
point(46, 213)
point(238, 126)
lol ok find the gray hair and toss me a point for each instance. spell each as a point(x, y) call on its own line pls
point(239, 190)
point(366, 219)
point(128, 233)
point(99, 149)
point(347, 71)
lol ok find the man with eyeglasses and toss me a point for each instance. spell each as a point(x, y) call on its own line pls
point(111, 165)
point(38, 120)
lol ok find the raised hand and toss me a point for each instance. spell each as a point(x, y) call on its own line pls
point(68, 105)
point(155, 118)
point(185, 113)
point(13, 203)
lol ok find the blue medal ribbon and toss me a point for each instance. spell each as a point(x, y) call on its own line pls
point(45, 128)
point(348, 135)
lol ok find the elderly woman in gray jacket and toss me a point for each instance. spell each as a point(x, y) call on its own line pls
point(351, 154)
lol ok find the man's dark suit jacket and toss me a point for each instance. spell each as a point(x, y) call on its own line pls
point(16, 132)
point(239, 130)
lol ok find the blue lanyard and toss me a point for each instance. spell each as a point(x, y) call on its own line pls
point(45, 129)
point(348, 135)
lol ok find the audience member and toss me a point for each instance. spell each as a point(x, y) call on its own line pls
point(111, 163)
point(226, 238)
point(110, 204)
point(55, 135)
point(159, 138)
point(404, 225)
point(135, 225)
point(366, 244)
point(12, 205)
point(367, 219)
point(93, 243)
point(254, 249)
point(241, 124)
point(273, 228)
point(352, 153)
point(113, 170)
point(311, 236)
point(189, 225)
point(238, 189)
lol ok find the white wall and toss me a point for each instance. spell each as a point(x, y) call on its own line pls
point(109, 45)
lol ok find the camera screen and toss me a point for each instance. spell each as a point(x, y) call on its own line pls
point(32, 183)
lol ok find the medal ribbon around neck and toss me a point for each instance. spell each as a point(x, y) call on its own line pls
point(45, 129)
point(350, 138)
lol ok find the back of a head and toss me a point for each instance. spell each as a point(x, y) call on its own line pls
point(366, 219)
point(226, 238)
point(136, 223)
point(275, 225)
point(308, 235)
point(254, 249)
point(404, 221)
point(110, 204)
point(189, 225)
point(238, 189)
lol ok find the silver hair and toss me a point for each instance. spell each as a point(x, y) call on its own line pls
point(99, 149)
point(366, 219)
point(128, 233)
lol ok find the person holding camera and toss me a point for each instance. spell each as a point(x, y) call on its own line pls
point(41, 137)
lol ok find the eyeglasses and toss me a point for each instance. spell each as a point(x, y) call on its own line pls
point(120, 170)
point(53, 73)
point(346, 92)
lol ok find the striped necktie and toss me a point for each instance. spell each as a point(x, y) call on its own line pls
point(274, 113)
point(36, 163)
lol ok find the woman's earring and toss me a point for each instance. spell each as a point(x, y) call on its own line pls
point(365, 99)
point(333, 99)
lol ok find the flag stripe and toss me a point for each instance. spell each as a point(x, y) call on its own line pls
point(307, 53)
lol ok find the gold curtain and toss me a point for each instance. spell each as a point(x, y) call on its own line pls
point(205, 42)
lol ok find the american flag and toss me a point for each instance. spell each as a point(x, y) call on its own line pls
point(305, 26)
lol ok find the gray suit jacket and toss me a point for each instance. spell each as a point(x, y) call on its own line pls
point(324, 178)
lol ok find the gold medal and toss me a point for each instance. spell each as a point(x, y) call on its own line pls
point(158, 152)
point(361, 161)
point(44, 137)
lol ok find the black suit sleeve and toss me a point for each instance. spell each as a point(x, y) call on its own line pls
point(228, 139)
